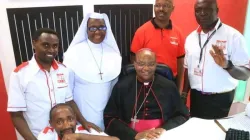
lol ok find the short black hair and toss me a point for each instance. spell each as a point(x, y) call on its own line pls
point(38, 32)
point(57, 106)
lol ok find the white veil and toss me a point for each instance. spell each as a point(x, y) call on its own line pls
point(78, 57)
point(82, 35)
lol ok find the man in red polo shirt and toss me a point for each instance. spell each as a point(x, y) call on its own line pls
point(163, 38)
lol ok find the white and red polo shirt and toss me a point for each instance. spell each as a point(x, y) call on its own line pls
point(49, 133)
point(34, 91)
point(206, 75)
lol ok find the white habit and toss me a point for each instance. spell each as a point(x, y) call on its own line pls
point(90, 92)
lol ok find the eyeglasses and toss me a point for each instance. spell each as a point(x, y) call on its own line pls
point(94, 29)
point(141, 64)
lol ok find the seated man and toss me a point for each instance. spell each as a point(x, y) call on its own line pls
point(145, 104)
point(63, 126)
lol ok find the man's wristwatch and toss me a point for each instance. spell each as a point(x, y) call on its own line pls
point(229, 65)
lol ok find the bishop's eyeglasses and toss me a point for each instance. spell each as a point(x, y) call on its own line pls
point(142, 64)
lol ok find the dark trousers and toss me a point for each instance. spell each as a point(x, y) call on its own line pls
point(212, 106)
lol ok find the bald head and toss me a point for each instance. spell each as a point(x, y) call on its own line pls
point(145, 52)
point(145, 65)
point(59, 106)
point(206, 1)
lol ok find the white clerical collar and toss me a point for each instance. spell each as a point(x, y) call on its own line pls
point(146, 83)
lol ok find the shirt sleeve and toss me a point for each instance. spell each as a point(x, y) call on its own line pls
point(114, 125)
point(239, 54)
point(181, 50)
point(47, 134)
point(186, 57)
point(179, 114)
point(71, 79)
point(16, 98)
point(92, 132)
point(137, 42)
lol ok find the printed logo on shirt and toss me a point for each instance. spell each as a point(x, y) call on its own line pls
point(174, 41)
point(221, 44)
point(61, 83)
point(60, 78)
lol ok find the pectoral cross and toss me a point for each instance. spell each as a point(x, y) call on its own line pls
point(134, 120)
point(101, 74)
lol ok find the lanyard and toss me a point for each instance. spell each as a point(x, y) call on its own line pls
point(201, 53)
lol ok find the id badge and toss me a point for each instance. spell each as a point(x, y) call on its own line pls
point(197, 71)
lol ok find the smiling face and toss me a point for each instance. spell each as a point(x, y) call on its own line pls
point(163, 9)
point(63, 120)
point(206, 12)
point(46, 48)
point(145, 65)
point(96, 30)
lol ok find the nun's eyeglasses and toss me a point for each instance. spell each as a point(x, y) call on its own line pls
point(94, 29)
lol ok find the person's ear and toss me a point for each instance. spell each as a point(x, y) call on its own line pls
point(134, 63)
point(173, 8)
point(50, 122)
point(34, 44)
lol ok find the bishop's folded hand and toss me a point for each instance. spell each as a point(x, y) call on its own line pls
point(151, 134)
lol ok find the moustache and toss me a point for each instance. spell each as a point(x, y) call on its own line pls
point(63, 131)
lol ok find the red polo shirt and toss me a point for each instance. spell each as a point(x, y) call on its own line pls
point(167, 43)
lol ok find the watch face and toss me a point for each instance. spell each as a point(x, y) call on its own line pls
point(229, 65)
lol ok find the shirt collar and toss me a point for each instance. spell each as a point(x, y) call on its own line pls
point(169, 26)
point(35, 66)
point(199, 30)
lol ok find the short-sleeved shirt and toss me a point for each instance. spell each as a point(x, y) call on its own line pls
point(167, 43)
point(204, 74)
point(35, 91)
point(49, 133)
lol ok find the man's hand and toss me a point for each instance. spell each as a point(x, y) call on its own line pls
point(87, 125)
point(73, 136)
point(151, 134)
point(218, 56)
point(114, 138)
point(21, 125)
point(81, 136)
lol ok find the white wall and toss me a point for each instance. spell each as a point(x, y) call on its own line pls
point(6, 50)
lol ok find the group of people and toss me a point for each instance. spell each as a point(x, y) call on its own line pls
point(46, 98)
